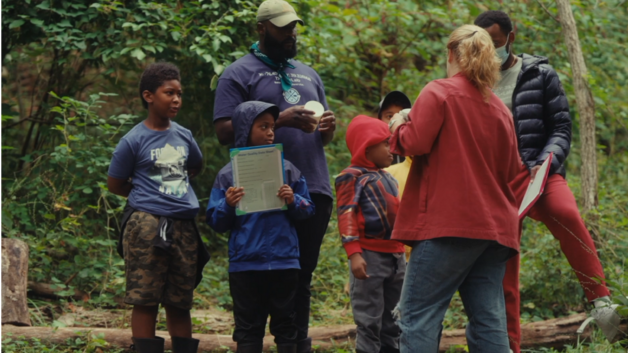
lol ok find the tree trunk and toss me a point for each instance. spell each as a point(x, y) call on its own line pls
point(551, 333)
point(14, 278)
point(586, 106)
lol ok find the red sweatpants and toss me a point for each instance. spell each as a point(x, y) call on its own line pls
point(557, 209)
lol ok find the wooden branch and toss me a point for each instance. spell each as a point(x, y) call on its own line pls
point(551, 333)
point(52, 291)
point(14, 276)
point(548, 11)
point(48, 122)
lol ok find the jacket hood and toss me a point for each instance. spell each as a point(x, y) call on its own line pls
point(532, 60)
point(243, 117)
point(364, 131)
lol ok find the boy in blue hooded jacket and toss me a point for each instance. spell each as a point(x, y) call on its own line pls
point(263, 246)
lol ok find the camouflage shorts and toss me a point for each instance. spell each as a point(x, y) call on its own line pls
point(152, 275)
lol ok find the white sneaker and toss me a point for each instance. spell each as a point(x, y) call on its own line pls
point(607, 320)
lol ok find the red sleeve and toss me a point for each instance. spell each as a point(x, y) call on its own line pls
point(347, 210)
point(417, 136)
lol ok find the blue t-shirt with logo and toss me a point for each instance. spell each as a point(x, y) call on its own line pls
point(157, 162)
point(249, 79)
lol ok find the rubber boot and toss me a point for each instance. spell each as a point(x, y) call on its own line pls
point(250, 348)
point(305, 346)
point(148, 345)
point(184, 345)
point(286, 348)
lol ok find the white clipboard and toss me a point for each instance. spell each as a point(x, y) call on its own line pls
point(535, 188)
point(260, 171)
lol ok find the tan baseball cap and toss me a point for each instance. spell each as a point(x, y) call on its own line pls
point(278, 12)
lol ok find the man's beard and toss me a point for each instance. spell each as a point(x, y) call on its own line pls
point(276, 49)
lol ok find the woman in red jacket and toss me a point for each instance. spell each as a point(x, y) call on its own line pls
point(458, 212)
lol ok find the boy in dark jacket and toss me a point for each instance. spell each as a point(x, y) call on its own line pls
point(263, 246)
point(162, 249)
point(367, 206)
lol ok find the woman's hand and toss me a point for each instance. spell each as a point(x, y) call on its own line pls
point(234, 195)
point(286, 193)
point(358, 266)
point(395, 122)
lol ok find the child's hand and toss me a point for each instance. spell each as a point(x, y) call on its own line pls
point(286, 193)
point(234, 195)
point(358, 266)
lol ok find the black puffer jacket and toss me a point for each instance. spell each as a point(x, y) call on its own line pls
point(541, 113)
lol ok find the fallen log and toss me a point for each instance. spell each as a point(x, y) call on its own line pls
point(14, 277)
point(121, 337)
point(55, 291)
point(553, 333)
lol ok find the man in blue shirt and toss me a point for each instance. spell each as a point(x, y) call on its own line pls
point(269, 74)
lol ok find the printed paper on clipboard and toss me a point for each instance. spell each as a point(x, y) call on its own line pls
point(260, 171)
point(535, 189)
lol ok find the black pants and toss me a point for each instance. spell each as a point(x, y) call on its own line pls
point(257, 294)
point(311, 232)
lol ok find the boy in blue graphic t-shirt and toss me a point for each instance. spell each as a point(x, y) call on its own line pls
point(162, 249)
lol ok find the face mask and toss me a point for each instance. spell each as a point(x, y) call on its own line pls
point(502, 52)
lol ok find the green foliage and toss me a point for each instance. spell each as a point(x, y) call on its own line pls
point(56, 147)
point(60, 204)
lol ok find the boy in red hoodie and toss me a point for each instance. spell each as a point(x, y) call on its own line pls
point(368, 200)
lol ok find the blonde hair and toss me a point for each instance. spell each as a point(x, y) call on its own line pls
point(475, 55)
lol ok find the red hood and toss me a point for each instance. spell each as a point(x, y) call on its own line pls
point(364, 131)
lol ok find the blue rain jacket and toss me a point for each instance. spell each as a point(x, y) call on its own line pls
point(264, 240)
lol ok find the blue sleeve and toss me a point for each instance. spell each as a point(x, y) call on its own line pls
point(123, 161)
point(302, 207)
point(229, 94)
point(195, 156)
point(220, 216)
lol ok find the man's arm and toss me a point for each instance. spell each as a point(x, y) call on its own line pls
point(224, 131)
point(229, 94)
point(327, 127)
point(556, 119)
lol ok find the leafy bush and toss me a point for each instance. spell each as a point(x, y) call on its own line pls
point(60, 206)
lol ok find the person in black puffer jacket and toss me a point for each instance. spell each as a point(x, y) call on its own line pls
point(531, 89)
point(541, 114)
